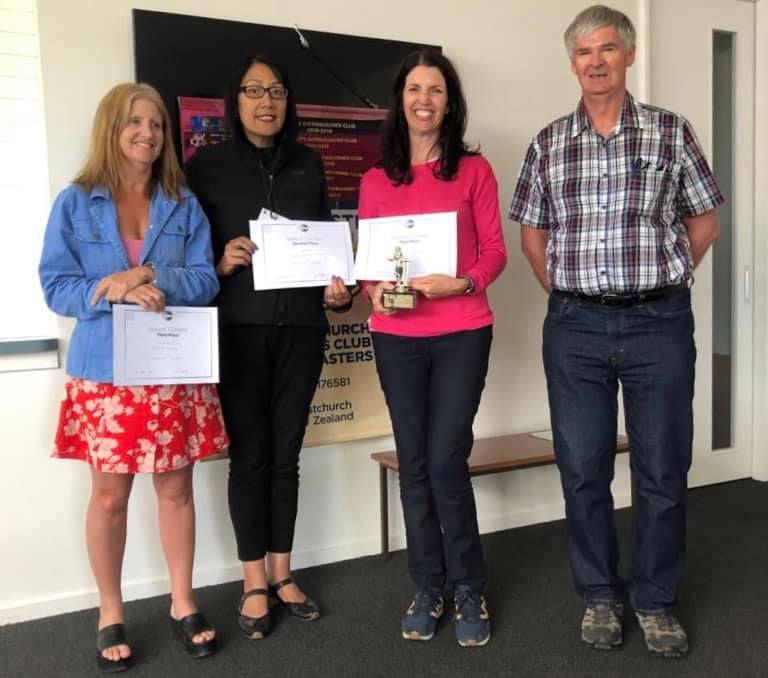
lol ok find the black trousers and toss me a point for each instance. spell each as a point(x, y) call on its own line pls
point(432, 387)
point(268, 379)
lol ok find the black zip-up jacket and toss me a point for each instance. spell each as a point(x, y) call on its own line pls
point(233, 181)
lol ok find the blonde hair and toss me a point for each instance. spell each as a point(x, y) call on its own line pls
point(105, 159)
point(599, 16)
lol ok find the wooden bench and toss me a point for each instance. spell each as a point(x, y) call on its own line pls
point(489, 455)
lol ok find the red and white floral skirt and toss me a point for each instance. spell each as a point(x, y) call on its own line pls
point(139, 429)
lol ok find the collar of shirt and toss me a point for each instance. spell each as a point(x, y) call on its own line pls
point(631, 116)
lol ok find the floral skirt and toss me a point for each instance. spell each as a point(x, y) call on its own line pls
point(139, 429)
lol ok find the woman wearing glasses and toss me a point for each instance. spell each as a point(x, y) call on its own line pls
point(272, 341)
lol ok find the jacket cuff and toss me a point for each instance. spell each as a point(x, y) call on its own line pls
point(165, 279)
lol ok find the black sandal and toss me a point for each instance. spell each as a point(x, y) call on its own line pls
point(107, 637)
point(186, 628)
point(306, 611)
point(254, 627)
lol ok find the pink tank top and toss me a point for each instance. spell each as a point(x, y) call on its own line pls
point(133, 249)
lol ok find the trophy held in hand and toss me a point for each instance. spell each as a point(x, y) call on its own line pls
point(402, 298)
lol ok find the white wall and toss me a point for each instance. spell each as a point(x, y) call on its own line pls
point(516, 75)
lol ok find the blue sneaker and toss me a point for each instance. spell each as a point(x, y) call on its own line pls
point(420, 620)
point(473, 623)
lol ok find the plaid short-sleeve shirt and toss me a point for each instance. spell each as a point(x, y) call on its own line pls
point(614, 206)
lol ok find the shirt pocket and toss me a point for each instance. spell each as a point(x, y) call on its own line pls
point(651, 191)
point(169, 248)
point(94, 249)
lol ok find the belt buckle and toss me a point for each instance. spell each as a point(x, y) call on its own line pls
point(611, 298)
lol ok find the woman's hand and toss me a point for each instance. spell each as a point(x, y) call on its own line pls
point(237, 253)
point(375, 293)
point(438, 285)
point(115, 287)
point(149, 297)
point(336, 294)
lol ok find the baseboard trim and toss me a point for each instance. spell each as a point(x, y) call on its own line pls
point(146, 588)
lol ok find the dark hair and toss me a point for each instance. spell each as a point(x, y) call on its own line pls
point(395, 142)
point(290, 128)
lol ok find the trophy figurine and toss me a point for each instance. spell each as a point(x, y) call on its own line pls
point(401, 298)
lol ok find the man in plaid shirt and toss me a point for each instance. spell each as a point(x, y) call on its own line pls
point(617, 206)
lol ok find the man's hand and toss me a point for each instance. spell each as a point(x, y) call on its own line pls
point(703, 230)
point(533, 242)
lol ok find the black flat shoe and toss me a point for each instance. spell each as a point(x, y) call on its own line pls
point(306, 611)
point(254, 627)
point(110, 636)
point(186, 628)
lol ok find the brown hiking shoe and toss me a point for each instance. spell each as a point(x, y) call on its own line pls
point(601, 625)
point(663, 634)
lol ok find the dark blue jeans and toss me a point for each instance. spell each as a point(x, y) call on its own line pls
point(432, 387)
point(588, 349)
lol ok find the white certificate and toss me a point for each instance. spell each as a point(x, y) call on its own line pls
point(179, 345)
point(427, 241)
point(300, 253)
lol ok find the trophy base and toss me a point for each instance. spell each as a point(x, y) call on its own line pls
point(398, 300)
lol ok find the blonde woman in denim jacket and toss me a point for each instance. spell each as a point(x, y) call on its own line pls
point(128, 231)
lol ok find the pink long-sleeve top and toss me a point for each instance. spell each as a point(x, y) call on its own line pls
point(481, 254)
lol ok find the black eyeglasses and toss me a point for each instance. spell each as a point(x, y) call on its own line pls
point(257, 92)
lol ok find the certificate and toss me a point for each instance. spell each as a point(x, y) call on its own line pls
point(300, 253)
point(427, 241)
point(269, 215)
point(179, 345)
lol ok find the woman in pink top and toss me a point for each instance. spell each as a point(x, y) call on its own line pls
point(432, 360)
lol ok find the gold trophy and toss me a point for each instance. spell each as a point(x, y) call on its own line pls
point(402, 298)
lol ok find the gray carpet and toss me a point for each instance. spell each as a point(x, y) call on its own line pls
point(535, 615)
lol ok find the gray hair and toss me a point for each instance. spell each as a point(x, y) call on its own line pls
point(599, 16)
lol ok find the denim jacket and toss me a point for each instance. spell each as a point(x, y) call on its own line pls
point(82, 245)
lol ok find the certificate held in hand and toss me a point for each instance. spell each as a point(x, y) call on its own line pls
point(179, 345)
point(426, 241)
point(300, 253)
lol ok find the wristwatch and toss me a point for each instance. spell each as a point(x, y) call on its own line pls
point(151, 267)
point(471, 286)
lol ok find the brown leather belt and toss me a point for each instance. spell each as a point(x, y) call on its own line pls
point(625, 298)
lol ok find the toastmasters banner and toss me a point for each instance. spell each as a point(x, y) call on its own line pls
point(348, 404)
point(348, 141)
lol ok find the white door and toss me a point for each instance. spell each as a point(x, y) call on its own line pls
point(701, 64)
